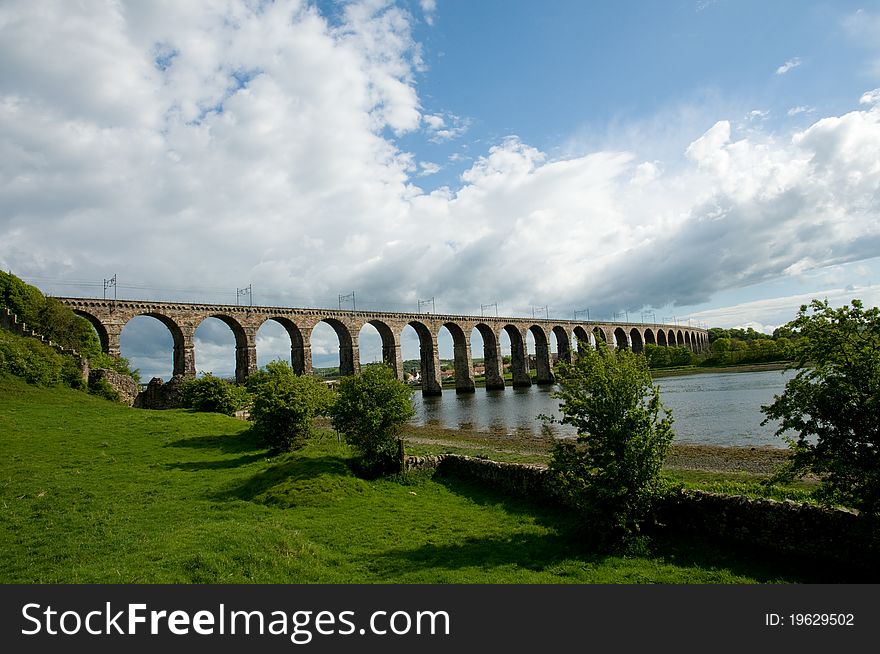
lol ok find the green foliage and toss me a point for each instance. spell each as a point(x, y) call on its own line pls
point(660, 356)
point(833, 403)
point(32, 361)
point(213, 395)
point(370, 410)
point(613, 475)
point(49, 318)
point(285, 405)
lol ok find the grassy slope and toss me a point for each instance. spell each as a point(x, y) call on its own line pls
point(96, 492)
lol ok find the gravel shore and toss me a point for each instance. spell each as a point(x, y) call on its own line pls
point(762, 460)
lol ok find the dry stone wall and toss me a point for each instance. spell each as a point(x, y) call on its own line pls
point(835, 536)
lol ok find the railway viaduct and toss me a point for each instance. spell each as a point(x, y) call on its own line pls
point(110, 316)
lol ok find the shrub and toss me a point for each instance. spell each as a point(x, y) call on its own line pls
point(369, 411)
point(832, 403)
point(29, 359)
point(612, 474)
point(285, 405)
point(213, 395)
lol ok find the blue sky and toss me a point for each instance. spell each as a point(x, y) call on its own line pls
point(718, 162)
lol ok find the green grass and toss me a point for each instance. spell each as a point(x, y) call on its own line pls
point(91, 491)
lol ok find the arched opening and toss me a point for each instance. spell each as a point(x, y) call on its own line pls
point(152, 345)
point(679, 339)
point(279, 338)
point(661, 338)
point(620, 341)
point(377, 344)
point(599, 337)
point(649, 337)
point(490, 366)
point(429, 359)
point(636, 340)
point(543, 364)
point(519, 363)
point(670, 338)
point(100, 330)
point(687, 340)
point(563, 344)
point(333, 349)
point(215, 339)
point(462, 366)
point(369, 345)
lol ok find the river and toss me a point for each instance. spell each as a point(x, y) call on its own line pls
point(708, 408)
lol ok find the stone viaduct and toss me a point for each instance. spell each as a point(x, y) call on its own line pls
point(110, 316)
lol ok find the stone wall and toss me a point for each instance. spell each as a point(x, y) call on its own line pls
point(161, 395)
point(122, 384)
point(808, 532)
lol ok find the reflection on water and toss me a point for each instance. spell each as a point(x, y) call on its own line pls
point(708, 408)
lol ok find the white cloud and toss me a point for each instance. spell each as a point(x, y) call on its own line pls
point(870, 97)
point(800, 109)
point(789, 65)
point(428, 168)
point(428, 8)
point(444, 127)
point(263, 152)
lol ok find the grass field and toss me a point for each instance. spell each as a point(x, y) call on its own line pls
point(91, 491)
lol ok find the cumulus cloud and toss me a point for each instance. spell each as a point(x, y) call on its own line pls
point(196, 148)
point(444, 127)
point(428, 168)
point(789, 65)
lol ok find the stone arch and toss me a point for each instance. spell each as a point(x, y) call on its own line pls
point(103, 336)
point(687, 340)
point(661, 338)
point(245, 345)
point(679, 338)
point(349, 358)
point(636, 339)
point(543, 365)
point(582, 338)
point(491, 357)
point(519, 363)
point(183, 357)
point(390, 346)
point(429, 359)
point(620, 340)
point(599, 337)
point(670, 338)
point(464, 367)
point(649, 337)
point(563, 344)
point(300, 351)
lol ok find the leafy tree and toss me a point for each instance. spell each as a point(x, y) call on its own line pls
point(285, 405)
point(370, 410)
point(213, 395)
point(833, 403)
point(624, 433)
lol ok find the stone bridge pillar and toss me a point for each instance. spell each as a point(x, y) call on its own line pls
point(246, 356)
point(391, 356)
point(301, 355)
point(492, 363)
point(464, 367)
point(519, 362)
point(542, 363)
point(185, 352)
point(350, 357)
point(114, 334)
point(430, 363)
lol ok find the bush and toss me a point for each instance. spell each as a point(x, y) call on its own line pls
point(612, 474)
point(34, 362)
point(102, 388)
point(285, 405)
point(369, 411)
point(833, 403)
point(213, 395)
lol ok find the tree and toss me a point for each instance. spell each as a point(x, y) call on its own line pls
point(370, 410)
point(285, 405)
point(624, 433)
point(833, 403)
